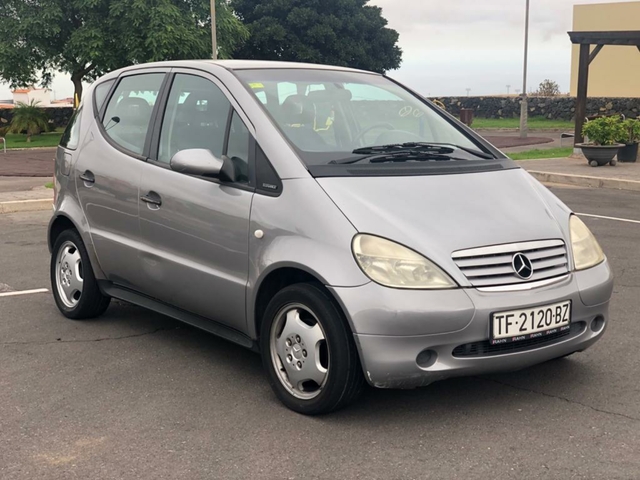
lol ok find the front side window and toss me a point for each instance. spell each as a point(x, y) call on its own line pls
point(196, 117)
point(71, 136)
point(126, 120)
point(328, 115)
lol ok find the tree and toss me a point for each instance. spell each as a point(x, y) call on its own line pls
point(87, 38)
point(28, 117)
point(548, 88)
point(337, 32)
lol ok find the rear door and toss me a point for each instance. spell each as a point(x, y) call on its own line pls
point(109, 166)
point(196, 233)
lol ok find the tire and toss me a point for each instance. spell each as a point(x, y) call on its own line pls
point(324, 342)
point(73, 284)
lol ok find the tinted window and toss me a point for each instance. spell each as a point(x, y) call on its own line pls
point(71, 136)
point(101, 92)
point(196, 117)
point(238, 148)
point(128, 113)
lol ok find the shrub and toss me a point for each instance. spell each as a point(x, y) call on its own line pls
point(604, 131)
point(631, 129)
point(29, 118)
point(548, 88)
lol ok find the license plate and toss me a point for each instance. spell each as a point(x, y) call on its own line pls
point(518, 325)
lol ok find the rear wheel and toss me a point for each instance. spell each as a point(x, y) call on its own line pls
point(308, 351)
point(74, 286)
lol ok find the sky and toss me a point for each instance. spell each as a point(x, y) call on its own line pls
point(450, 46)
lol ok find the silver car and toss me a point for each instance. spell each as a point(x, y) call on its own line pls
point(331, 219)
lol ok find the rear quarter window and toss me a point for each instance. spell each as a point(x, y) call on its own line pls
point(100, 94)
point(71, 136)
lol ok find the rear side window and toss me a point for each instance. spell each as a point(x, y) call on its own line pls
point(126, 120)
point(71, 136)
point(100, 94)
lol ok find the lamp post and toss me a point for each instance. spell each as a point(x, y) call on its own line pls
point(468, 91)
point(214, 43)
point(508, 89)
point(524, 106)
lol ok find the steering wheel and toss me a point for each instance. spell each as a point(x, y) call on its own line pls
point(359, 137)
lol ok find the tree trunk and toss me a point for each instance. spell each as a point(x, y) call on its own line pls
point(28, 138)
point(76, 78)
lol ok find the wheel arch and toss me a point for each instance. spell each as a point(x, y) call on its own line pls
point(57, 225)
point(62, 221)
point(275, 279)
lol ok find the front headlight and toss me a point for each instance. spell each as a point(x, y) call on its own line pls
point(393, 265)
point(586, 249)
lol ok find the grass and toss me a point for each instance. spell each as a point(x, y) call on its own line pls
point(48, 185)
point(15, 140)
point(538, 153)
point(535, 123)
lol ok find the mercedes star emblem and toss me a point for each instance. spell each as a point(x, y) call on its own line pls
point(522, 266)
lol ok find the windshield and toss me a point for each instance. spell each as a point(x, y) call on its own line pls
point(332, 116)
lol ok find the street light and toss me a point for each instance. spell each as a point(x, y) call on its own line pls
point(508, 89)
point(468, 91)
point(214, 43)
point(524, 106)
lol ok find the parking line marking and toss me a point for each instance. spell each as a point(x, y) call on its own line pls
point(24, 292)
point(609, 218)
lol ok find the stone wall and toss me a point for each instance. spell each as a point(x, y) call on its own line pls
point(58, 116)
point(561, 108)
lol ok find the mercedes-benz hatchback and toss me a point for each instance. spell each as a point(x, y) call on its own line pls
point(331, 219)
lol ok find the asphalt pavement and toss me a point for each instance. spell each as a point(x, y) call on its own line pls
point(137, 395)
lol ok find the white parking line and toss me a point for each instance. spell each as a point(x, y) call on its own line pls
point(609, 218)
point(24, 292)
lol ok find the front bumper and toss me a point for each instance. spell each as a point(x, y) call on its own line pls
point(407, 339)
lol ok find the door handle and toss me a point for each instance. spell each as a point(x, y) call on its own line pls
point(88, 177)
point(152, 198)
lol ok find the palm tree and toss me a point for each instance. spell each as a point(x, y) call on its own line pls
point(30, 118)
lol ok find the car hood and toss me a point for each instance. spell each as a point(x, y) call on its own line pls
point(440, 214)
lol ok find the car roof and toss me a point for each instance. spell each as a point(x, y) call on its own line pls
point(244, 65)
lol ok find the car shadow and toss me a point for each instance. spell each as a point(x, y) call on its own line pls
point(451, 398)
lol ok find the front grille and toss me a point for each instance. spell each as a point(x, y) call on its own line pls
point(492, 266)
point(485, 349)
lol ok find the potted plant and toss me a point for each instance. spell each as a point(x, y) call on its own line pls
point(631, 138)
point(603, 134)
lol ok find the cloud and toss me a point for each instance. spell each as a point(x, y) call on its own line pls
point(479, 43)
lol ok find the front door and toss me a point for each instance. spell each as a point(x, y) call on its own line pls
point(108, 169)
point(195, 230)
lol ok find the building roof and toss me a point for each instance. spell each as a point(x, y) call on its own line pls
point(631, 38)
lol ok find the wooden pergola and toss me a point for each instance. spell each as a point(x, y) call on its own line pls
point(586, 40)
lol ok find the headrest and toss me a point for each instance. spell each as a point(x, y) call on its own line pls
point(131, 107)
point(298, 110)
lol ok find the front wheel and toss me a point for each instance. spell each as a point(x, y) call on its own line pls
point(74, 286)
point(308, 351)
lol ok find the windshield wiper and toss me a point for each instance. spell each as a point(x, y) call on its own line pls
point(402, 156)
point(400, 152)
point(441, 148)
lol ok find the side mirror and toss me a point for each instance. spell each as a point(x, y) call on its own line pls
point(203, 163)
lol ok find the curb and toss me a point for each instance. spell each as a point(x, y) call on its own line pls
point(585, 181)
point(26, 205)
